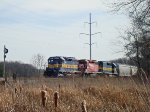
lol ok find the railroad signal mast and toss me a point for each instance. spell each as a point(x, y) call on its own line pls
point(5, 52)
point(90, 34)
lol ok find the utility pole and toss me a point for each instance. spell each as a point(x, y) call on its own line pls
point(5, 52)
point(90, 34)
point(90, 38)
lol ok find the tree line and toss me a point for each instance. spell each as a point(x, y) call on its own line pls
point(18, 68)
point(25, 70)
point(124, 61)
point(136, 40)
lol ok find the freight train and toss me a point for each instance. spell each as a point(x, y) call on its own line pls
point(63, 66)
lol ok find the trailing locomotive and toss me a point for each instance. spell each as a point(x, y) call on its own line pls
point(62, 66)
point(107, 68)
point(87, 67)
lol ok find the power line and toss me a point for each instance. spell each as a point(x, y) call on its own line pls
point(90, 34)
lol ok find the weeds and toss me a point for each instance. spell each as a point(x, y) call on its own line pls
point(87, 95)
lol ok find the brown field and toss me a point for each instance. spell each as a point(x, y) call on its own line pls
point(101, 95)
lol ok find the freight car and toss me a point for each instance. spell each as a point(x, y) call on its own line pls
point(126, 70)
point(61, 66)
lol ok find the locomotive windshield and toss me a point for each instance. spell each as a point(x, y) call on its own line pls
point(55, 61)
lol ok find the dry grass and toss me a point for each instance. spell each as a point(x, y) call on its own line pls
point(100, 94)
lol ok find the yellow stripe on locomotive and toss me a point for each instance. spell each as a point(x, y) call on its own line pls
point(108, 69)
point(62, 66)
point(54, 65)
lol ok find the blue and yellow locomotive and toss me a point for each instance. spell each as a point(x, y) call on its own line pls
point(60, 65)
point(107, 68)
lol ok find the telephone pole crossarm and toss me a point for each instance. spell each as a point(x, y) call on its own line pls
point(95, 33)
point(84, 34)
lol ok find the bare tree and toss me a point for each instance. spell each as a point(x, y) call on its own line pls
point(38, 61)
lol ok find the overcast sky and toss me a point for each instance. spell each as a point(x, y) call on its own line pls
point(52, 28)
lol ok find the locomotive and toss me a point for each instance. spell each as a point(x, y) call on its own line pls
point(60, 65)
point(108, 68)
point(87, 67)
point(63, 66)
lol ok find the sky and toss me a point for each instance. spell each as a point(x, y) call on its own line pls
point(53, 27)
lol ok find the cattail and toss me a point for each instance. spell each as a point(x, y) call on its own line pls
point(59, 86)
point(15, 90)
point(14, 77)
point(2, 82)
point(75, 86)
point(20, 89)
point(56, 96)
point(83, 106)
point(107, 86)
point(44, 98)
